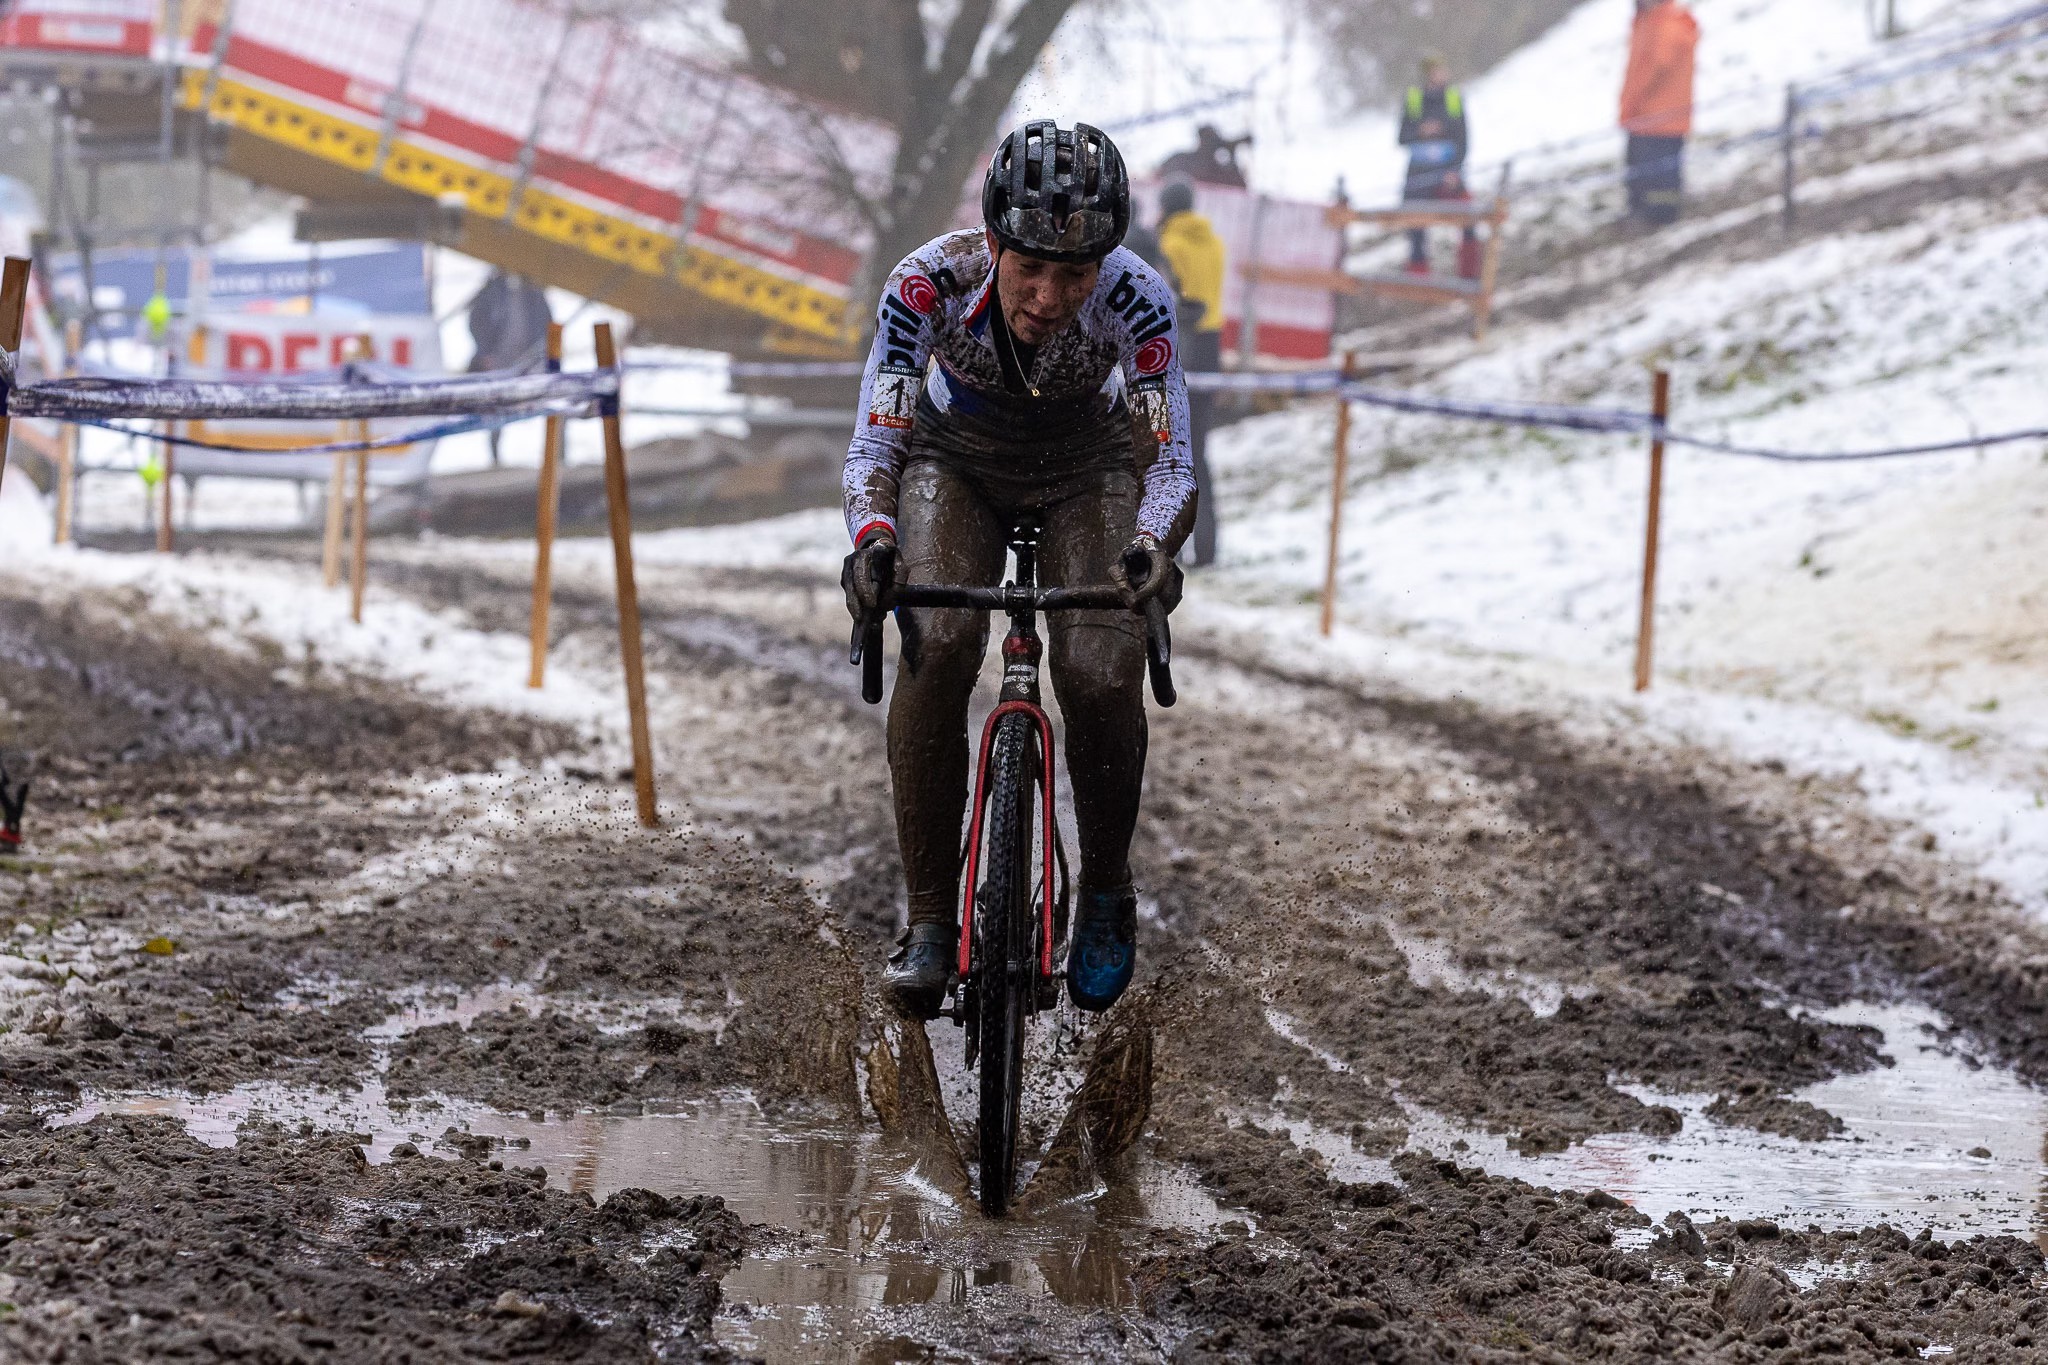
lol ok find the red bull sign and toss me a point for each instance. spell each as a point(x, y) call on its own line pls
point(279, 346)
point(286, 346)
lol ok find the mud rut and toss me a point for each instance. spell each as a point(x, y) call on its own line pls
point(479, 952)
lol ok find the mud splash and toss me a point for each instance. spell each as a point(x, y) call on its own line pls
point(1937, 1140)
point(850, 1246)
point(858, 1237)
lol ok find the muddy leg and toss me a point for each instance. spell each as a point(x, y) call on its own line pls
point(1098, 667)
point(949, 536)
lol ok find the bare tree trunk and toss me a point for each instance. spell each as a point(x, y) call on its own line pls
point(943, 91)
point(951, 128)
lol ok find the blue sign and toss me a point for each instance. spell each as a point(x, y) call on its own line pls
point(382, 281)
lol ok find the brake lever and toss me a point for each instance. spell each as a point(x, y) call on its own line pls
point(1159, 653)
point(866, 654)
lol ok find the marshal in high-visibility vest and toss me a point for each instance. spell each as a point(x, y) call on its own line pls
point(1433, 130)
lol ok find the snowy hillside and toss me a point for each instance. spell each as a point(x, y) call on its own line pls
point(1121, 64)
point(1906, 600)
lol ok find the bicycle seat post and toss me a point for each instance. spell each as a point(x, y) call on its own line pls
point(1024, 544)
point(1021, 648)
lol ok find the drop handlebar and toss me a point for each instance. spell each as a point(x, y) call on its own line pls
point(867, 632)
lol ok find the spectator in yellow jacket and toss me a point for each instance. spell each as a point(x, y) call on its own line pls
point(1194, 264)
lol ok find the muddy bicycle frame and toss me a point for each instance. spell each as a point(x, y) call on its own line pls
point(1014, 978)
point(1021, 600)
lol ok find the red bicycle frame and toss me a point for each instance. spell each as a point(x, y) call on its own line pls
point(976, 830)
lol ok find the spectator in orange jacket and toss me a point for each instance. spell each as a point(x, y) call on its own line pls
point(1656, 107)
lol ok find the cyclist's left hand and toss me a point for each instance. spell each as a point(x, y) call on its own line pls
point(1145, 571)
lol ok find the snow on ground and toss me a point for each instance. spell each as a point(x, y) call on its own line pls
point(1881, 619)
point(280, 611)
point(1116, 65)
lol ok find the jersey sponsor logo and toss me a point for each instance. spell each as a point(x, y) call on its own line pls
point(1145, 319)
point(900, 329)
point(919, 295)
point(1154, 356)
point(1156, 407)
point(893, 401)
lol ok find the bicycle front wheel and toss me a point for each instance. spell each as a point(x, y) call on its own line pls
point(1009, 960)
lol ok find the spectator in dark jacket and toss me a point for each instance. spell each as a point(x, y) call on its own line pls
point(1212, 161)
point(1434, 132)
point(508, 320)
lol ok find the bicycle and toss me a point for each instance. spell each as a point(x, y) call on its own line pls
point(1006, 952)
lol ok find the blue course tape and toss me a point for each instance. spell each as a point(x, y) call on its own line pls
point(96, 400)
point(482, 402)
point(417, 437)
point(1713, 447)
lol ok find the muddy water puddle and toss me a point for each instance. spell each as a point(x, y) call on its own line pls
point(851, 1248)
point(1934, 1141)
point(851, 1251)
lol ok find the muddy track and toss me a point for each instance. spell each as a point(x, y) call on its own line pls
point(1681, 907)
point(1372, 908)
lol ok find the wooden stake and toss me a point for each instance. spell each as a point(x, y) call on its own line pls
point(617, 503)
point(544, 524)
point(1660, 408)
point(1788, 138)
point(67, 440)
point(13, 312)
point(337, 494)
point(359, 558)
point(165, 540)
point(1489, 271)
point(1339, 468)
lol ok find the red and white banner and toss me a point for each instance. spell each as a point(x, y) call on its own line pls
point(1289, 322)
point(108, 27)
point(282, 346)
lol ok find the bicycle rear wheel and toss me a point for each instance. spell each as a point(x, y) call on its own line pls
point(1007, 979)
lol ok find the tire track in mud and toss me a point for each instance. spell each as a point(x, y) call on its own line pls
point(1301, 838)
point(1678, 920)
point(277, 840)
point(1676, 909)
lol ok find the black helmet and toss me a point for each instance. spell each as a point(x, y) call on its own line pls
point(1060, 196)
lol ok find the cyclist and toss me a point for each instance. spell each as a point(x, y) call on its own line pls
point(1006, 364)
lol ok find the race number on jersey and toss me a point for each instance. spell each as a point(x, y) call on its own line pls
point(894, 401)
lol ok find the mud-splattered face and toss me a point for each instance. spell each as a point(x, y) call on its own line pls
point(1040, 298)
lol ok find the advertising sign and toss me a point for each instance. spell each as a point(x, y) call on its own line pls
point(282, 347)
point(350, 280)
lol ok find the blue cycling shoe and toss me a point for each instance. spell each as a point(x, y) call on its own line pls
point(1104, 950)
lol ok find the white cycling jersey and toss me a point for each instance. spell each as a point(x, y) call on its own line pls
point(933, 343)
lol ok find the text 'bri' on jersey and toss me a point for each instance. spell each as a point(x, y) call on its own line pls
point(937, 306)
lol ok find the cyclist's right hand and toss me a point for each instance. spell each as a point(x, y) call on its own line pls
point(869, 576)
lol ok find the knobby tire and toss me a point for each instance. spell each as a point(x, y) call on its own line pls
point(1008, 956)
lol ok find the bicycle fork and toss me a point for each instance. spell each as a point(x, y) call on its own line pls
point(1021, 653)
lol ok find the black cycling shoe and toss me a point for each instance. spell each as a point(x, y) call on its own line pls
point(922, 969)
point(1104, 950)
